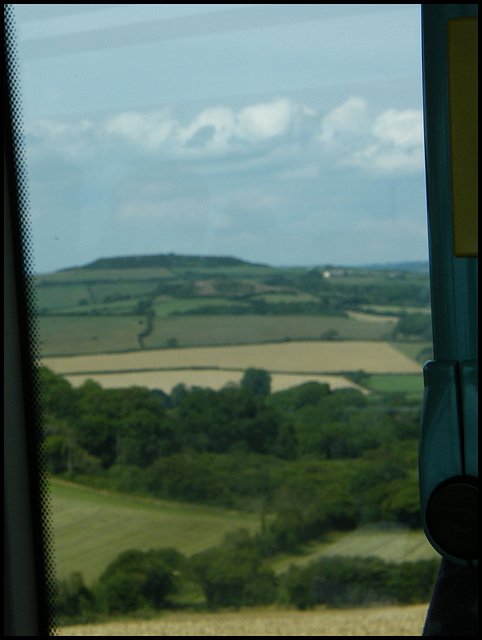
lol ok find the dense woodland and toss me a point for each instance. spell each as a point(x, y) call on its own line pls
point(308, 460)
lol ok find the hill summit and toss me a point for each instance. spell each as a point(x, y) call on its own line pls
point(165, 260)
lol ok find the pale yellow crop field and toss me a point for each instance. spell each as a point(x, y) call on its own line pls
point(210, 378)
point(378, 621)
point(372, 317)
point(291, 357)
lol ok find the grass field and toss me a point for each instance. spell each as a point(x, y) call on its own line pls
point(251, 329)
point(412, 350)
point(376, 621)
point(91, 528)
point(164, 308)
point(73, 335)
point(392, 544)
point(64, 335)
point(407, 383)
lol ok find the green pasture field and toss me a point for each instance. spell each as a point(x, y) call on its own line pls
point(69, 335)
point(251, 271)
point(391, 543)
point(55, 297)
point(117, 308)
point(190, 331)
point(92, 527)
point(75, 335)
point(275, 298)
point(393, 309)
point(134, 288)
point(164, 308)
point(412, 349)
point(103, 275)
point(409, 383)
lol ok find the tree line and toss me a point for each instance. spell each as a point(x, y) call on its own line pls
point(308, 460)
point(234, 574)
point(341, 458)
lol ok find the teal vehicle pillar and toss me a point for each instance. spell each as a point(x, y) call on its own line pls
point(448, 452)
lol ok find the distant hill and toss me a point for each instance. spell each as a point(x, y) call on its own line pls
point(414, 267)
point(187, 261)
point(165, 260)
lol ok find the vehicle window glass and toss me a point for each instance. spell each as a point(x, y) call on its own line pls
point(229, 234)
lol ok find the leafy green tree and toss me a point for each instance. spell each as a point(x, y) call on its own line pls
point(402, 501)
point(232, 419)
point(310, 393)
point(58, 396)
point(74, 601)
point(143, 436)
point(178, 393)
point(414, 325)
point(136, 579)
point(297, 583)
point(371, 480)
point(286, 444)
point(233, 577)
point(258, 381)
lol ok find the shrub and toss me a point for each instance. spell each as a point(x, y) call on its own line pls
point(136, 579)
point(74, 601)
point(340, 581)
point(231, 575)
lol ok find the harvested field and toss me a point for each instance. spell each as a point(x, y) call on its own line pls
point(211, 378)
point(379, 621)
point(372, 317)
point(290, 357)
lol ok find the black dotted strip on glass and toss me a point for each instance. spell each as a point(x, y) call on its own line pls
point(26, 296)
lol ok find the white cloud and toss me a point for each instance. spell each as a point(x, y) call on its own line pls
point(212, 132)
point(391, 142)
point(150, 130)
point(212, 129)
point(73, 140)
point(402, 128)
point(270, 119)
point(344, 123)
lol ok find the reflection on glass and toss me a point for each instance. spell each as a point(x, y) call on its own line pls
point(229, 233)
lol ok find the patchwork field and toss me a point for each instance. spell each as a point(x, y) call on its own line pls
point(69, 335)
point(290, 357)
point(91, 527)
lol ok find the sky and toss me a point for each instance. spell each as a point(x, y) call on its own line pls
point(278, 134)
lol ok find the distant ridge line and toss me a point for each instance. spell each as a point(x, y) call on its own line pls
point(166, 260)
point(419, 266)
point(170, 260)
